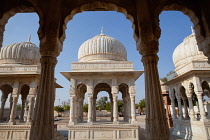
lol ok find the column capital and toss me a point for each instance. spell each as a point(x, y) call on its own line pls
point(150, 58)
point(48, 59)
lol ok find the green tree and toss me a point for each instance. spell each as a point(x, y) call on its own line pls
point(59, 109)
point(19, 106)
point(85, 108)
point(66, 107)
point(164, 79)
point(108, 106)
point(101, 103)
point(120, 105)
point(142, 104)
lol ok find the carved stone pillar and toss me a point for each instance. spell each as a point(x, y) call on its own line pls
point(90, 102)
point(201, 106)
point(180, 108)
point(10, 107)
point(172, 97)
point(13, 111)
point(191, 108)
point(156, 122)
point(94, 109)
point(186, 114)
point(3, 101)
point(31, 109)
point(42, 127)
point(22, 109)
point(115, 110)
point(90, 110)
point(133, 110)
point(71, 116)
point(76, 109)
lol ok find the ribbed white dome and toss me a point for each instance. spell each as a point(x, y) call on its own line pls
point(102, 48)
point(187, 51)
point(20, 53)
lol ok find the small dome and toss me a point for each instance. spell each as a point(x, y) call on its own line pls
point(102, 48)
point(187, 51)
point(20, 53)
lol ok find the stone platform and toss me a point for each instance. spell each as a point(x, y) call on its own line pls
point(103, 132)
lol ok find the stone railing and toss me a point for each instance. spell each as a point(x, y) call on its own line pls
point(119, 65)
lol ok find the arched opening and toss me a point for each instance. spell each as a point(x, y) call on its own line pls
point(6, 102)
point(125, 110)
point(23, 106)
point(103, 104)
point(81, 107)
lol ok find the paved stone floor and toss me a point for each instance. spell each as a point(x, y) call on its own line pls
point(61, 125)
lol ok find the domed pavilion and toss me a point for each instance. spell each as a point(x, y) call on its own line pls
point(189, 91)
point(102, 66)
point(20, 73)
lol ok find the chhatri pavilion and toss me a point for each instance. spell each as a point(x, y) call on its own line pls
point(102, 66)
point(189, 91)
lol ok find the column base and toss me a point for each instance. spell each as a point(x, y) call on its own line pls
point(72, 123)
point(115, 122)
point(28, 123)
point(204, 120)
point(12, 123)
point(90, 123)
point(134, 122)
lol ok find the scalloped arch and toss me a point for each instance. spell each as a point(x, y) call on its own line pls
point(100, 5)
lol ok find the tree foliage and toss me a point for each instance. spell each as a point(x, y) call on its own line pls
point(164, 79)
point(142, 104)
point(85, 108)
point(101, 103)
point(59, 109)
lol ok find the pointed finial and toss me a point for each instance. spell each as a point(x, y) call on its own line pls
point(29, 38)
point(193, 32)
point(102, 30)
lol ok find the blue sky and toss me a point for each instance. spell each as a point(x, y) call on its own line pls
point(175, 27)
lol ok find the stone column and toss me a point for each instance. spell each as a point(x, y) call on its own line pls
point(13, 111)
point(133, 110)
point(42, 127)
point(71, 115)
point(191, 107)
point(115, 110)
point(90, 102)
point(172, 97)
point(82, 103)
point(180, 108)
point(31, 109)
point(76, 109)
point(22, 109)
point(94, 109)
point(201, 106)
point(10, 107)
point(90, 110)
point(186, 114)
point(156, 121)
point(3, 101)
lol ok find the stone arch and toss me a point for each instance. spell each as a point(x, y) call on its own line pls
point(191, 14)
point(123, 88)
point(99, 6)
point(201, 31)
point(205, 88)
point(81, 90)
point(183, 92)
point(10, 13)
